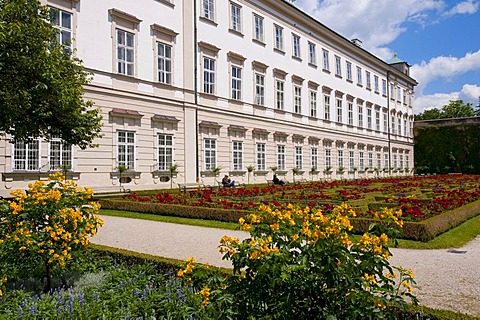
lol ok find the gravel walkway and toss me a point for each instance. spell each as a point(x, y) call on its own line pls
point(445, 280)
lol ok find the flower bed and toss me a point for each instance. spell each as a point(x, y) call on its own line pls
point(419, 198)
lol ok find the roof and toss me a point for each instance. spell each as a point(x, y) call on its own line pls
point(395, 59)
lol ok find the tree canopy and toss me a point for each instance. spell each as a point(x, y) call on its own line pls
point(455, 109)
point(41, 83)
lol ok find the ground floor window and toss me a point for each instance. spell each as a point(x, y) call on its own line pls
point(26, 155)
point(210, 153)
point(60, 154)
point(281, 157)
point(165, 151)
point(237, 155)
point(261, 159)
point(126, 149)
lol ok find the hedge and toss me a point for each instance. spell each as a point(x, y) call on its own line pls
point(419, 231)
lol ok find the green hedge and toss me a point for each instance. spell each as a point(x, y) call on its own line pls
point(419, 231)
point(174, 210)
point(445, 149)
point(428, 229)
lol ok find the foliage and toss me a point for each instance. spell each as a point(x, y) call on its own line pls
point(300, 263)
point(42, 82)
point(446, 149)
point(455, 109)
point(42, 229)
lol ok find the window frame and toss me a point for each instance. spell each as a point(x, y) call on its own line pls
point(261, 155)
point(130, 154)
point(29, 163)
point(326, 62)
point(296, 52)
point(299, 157)
point(258, 29)
point(235, 17)
point(209, 154)
point(312, 53)
point(211, 83)
point(279, 103)
point(236, 82)
point(208, 9)
point(278, 36)
point(166, 148)
point(313, 102)
point(65, 150)
point(165, 74)
point(297, 99)
point(280, 157)
point(237, 155)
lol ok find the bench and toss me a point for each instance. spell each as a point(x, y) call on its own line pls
point(184, 186)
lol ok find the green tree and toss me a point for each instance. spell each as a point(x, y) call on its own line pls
point(455, 109)
point(41, 81)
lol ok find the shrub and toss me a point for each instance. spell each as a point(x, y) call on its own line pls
point(300, 263)
point(45, 227)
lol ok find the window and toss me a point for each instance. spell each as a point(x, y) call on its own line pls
point(235, 17)
point(236, 83)
point(379, 160)
point(369, 118)
point(384, 87)
point(326, 104)
point(369, 80)
point(60, 155)
point(359, 76)
point(361, 161)
point(407, 162)
point(279, 88)
point(312, 55)
point(164, 61)
point(26, 155)
point(404, 96)
point(209, 9)
point(313, 103)
point(261, 156)
point(385, 122)
point(350, 113)
point(401, 161)
point(296, 46)
point(259, 89)
point(370, 160)
point(338, 66)
point(258, 28)
point(395, 160)
point(165, 151)
point(360, 116)
point(393, 125)
point(297, 96)
point(399, 123)
point(377, 120)
point(126, 149)
point(314, 157)
point(237, 155)
point(208, 75)
point(339, 111)
point(326, 63)
point(278, 38)
point(351, 160)
point(298, 157)
point(375, 81)
point(385, 164)
point(281, 157)
point(62, 21)
point(340, 158)
point(210, 153)
point(399, 94)
point(349, 71)
point(125, 52)
point(328, 158)
point(405, 127)
point(392, 91)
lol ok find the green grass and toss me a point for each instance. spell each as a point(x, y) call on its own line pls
point(454, 238)
point(171, 219)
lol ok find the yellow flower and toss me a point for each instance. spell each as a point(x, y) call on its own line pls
point(410, 273)
point(407, 286)
point(205, 292)
point(275, 226)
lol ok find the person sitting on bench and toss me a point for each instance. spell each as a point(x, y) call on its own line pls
point(227, 183)
point(277, 181)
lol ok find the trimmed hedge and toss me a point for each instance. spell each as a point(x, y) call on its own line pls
point(419, 231)
point(174, 210)
point(428, 229)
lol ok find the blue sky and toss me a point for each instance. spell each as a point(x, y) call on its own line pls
point(440, 39)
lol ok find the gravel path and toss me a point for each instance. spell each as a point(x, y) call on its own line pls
point(445, 280)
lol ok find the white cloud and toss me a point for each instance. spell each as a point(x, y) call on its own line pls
point(376, 23)
point(466, 7)
point(469, 94)
point(443, 68)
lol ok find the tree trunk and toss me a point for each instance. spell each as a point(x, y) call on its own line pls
point(48, 275)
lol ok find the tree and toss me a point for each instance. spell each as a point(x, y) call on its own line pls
point(455, 109)
point(41, 230)
point(41, 81)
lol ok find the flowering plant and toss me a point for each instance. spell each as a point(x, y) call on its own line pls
point(302, 263)
point(43, 228)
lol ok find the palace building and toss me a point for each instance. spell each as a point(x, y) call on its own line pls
point(222, 87)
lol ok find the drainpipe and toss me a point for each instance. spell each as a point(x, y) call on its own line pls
point(388, 121)
point(195, 61)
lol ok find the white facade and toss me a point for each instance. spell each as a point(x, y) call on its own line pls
point(251, 87)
